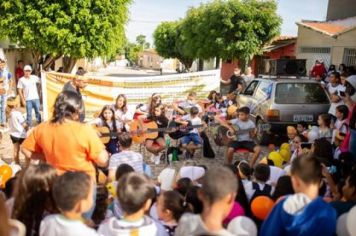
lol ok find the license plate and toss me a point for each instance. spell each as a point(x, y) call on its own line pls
point(306, 118)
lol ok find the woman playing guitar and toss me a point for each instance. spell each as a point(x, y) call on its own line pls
point(142, 109)
point(157, 145)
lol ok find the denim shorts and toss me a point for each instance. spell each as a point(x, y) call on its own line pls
point(191, 137)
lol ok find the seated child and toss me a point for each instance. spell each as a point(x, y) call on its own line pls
point(303, 213)
point(302, 128)
point(73, 194)
point(259, 186)
point(217, 199)
point(135, 194)
point(246, 130)
point(170, 207)
point(126, 156)
point(191, 141)
point(324, 122)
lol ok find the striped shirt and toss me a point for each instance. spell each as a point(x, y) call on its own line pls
point(131, 158)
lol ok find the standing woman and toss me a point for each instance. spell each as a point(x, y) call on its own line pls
point(64, 142)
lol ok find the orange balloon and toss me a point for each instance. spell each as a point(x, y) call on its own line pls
point(261, 206)
point(5, 174)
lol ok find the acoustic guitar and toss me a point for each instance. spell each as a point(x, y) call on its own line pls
point(105, 134)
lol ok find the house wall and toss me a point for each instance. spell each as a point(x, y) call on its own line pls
point(311, 38)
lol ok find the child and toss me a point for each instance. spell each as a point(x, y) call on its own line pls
point(259, 186)
point(334, 88)
point(142, 109)
point(73, 194)
point(324, 122)
point(126, 156)
point(349, 196)
point(219, 187)
point(302, 128)
point(303, 213)
point(18, 126)
point(183, 107)
point(107, 119)
point(33, 196)
point(135, 194)
point(244, 139)
point(341, 127)
point(191, 141)
point(121, 111)
point(170, 207)
point(157, 145)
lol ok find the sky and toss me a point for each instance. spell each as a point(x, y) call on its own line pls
point(145, 15)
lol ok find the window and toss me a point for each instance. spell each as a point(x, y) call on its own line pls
point(251, 88)
point(314, 50)
point(263, 91)
point(349, 56)
point(300, 93)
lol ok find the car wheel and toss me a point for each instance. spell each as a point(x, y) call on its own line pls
point(261, 134)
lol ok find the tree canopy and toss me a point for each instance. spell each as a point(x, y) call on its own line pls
point(77, 29)
point(227, 29)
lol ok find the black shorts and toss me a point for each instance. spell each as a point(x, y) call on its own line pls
point(16, 140)
point(249, 145)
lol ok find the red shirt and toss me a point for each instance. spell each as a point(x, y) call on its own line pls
point(19, 73)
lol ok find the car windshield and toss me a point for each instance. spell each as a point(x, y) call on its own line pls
point(300, 93)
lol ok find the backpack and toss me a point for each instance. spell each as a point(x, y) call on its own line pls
point(266, 191)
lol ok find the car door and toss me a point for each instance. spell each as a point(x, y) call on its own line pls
point(247, 97)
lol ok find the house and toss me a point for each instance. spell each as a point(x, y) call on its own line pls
point(149, 59)
point(280, 47)
point(333, 41)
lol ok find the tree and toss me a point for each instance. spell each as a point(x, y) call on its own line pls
point(169, 42)
point(75, 29)
point(232, 29)
point(141, 41)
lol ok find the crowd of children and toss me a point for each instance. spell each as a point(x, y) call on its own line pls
point(306, 186)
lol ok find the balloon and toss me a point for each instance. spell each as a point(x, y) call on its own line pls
point(5, 174)
point(285, 146)
point(285, 154)
point(276, 158)
point(261, 207)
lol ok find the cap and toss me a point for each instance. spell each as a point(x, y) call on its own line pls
point(27, 68)
point(352, 80)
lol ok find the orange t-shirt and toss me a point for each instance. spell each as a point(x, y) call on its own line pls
point(70, 146)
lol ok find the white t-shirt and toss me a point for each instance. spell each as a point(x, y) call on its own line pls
point(186, 105)
point(29, 86)
point(243, 125)
point(333, 90)
point(195, 121)
point(15, 124)
point(248, 186)
point(131, 158)
point(58, 225)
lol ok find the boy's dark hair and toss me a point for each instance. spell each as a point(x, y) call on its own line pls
point(344, 110)
point(303, 124)
point(133, 191)
point(308, 169)
point(323, 151)
point(70, 188)
point(125, 140)
point(244, 110)
point(262, 172)
point(217, 183)
point(284, 187)
point(122, 170)
point(101, 204)
point(192, 199)
point(194, 110)
point(244, 168)
point(183, 185)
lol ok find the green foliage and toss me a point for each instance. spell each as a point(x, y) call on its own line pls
point(76, 28)
point(169, 42)
point(227, 29)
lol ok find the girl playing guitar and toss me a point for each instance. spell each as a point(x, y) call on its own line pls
point(157, 145)
point(121, 111)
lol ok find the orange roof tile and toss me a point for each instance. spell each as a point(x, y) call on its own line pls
point(331, 27)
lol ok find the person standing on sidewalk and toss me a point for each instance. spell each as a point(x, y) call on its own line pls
point(5, 78)
point(28, 91)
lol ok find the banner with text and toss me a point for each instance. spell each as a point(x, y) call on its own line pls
point(103, 90)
